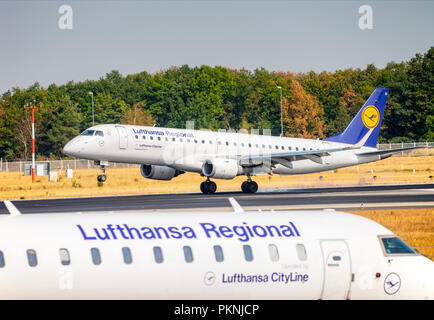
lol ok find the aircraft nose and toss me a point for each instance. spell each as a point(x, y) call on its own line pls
point(70, 148)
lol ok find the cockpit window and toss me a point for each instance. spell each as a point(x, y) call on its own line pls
point(87, 133)
point(99, 133)
point(394, 246)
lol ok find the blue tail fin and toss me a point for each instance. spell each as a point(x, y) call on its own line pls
point(367, 121)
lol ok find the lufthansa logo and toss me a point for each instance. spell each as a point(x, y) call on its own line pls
point(392, 283)
point(370, 117)
point(209, 278)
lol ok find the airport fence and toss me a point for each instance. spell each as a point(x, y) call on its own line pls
point(79, 164)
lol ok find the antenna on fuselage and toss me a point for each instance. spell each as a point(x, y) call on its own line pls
point(236, 205)
point(13, 211)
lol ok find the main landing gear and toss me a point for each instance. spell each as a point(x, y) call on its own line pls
point(249, 186)
point(208, 186)
point(102, 177)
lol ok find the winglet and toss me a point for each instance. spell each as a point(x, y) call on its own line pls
point(235, 205)
point(13, 211)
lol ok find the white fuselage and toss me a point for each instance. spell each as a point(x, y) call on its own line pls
point(222, 255)
point(187, 150)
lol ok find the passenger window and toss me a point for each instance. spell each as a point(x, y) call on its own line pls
point(274, 252)
point(227, 143)
point(296, 148)
point(144, 137)
point(301, 252)
point(65, 260)
point(248, 254)
point(394, 245)
point(96, 256)
point(2, 260)
point(31, 258)
point(203, 141)
point(126, 253)
point(151, 137)
point(158, 255)
point(277, 147)
point(242, 144)
point(137, 137)
point(289, 148)
point(218, 251)
point(159, 138)
point(173, 139)
point(188, 254)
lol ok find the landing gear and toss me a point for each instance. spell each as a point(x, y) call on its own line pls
point(102, 177)
point(249, 186)
point(208, 187)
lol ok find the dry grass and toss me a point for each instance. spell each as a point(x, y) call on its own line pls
point(414, 226)
point(129, 181)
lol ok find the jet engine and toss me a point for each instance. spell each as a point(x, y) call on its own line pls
point(159, 172)
point(221, 168)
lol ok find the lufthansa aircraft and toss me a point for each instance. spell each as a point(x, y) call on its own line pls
point(165, 153)
point(207, 255)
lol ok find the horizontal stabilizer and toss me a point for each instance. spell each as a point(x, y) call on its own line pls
point(380, 152)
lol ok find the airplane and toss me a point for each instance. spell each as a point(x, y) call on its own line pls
point(165, 153)
point(279, 255)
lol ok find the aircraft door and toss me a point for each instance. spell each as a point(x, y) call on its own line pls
point(123, 137)
point(337, 270)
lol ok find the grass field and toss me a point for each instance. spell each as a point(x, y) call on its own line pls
point(416, 226)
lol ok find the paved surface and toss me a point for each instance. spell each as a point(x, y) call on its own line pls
point(387, 196)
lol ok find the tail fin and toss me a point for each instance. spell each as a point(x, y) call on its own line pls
point(365, 127)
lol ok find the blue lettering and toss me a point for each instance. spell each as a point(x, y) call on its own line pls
point(84, 234)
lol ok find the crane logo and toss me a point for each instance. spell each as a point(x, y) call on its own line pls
point(370, 117)
point(392, 283)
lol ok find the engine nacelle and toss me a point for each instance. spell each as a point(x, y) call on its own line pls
point(158, 172)
point(221, 168)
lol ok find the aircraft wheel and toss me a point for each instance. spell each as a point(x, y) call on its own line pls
point(102, 178)
point(244, 187)
point(203, 187)
point(249, 187)
point(212, 187)
point(252, 187)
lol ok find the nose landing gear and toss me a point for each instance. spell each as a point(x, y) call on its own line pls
point(249, 186)
point(208, 186)
point(102, 177)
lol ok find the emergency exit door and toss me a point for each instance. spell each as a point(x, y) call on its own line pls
point(123, 137)
point(337, 270)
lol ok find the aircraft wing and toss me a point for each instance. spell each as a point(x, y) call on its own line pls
point(381, 152)
point(285, 158)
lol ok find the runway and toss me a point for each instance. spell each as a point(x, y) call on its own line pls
point(359, 197)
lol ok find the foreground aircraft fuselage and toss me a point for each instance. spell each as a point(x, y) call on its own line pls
point(165, 153)
point(203, 255)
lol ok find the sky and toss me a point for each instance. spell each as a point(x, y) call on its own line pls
point(136, 36)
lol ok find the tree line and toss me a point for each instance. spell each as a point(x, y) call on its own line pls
point(315, 105)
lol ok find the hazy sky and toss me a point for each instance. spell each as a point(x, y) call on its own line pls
point(133, 36)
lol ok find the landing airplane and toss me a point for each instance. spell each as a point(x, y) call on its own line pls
point(207, 255)
point(165, 153)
